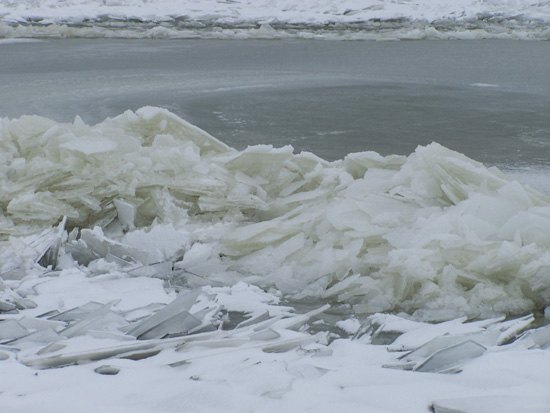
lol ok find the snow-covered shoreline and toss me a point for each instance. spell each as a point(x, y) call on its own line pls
point(329, 19)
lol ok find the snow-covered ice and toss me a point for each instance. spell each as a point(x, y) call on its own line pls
point(328, 19)
point(145, 254)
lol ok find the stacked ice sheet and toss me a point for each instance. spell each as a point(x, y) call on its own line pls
point(435, 234)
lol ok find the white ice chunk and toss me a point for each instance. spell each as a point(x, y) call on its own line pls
point(126, 213)
point(451, 357)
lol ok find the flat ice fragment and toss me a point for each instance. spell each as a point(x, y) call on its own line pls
point(51, 348)
point(4, 356)
point(33, 323)
point(451, 357)
point(510, 329)
point(50, 255)
point(76, 313)
point(11, 329)
point(181, 323)
point(174, 318)
point(94, 320)
point(265, 335)
point(539, 338)
point(254, 320)
point(47, 335)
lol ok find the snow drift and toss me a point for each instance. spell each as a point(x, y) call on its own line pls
point(434, 234)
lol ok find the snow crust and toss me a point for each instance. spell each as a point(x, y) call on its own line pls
point(330, 19)
point(144, 254)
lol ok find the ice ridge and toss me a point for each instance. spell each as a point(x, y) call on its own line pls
point(434, 234)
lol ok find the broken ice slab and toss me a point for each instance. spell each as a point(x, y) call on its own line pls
point(98, 319)
point(419, 334)
point(265, 335)
point(497, 403)
point(33, 323)
point(172, 319)
point(451, 357)
point(40, 206)
point(254, 320)
point(538, 338)
point(11, 329)
point(485, 338)
point(511, 329)
point(101, 246)
point(234, 340)
point(75, 313)
point(138, 314)
point(23, 303)
point(50, 348)
point(50, 255)
point(294, 323)
point(6, 306)
point(45, 361)
point(181, 323)
point(47, 335)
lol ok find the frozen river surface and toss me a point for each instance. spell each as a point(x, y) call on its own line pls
point(487, 99)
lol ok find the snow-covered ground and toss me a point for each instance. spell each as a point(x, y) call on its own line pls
point(146, 266)
point(329, 19)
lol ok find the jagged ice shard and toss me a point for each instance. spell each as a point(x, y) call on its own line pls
point(434, 234)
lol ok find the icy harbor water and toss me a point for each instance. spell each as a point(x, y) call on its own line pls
point(198, 273)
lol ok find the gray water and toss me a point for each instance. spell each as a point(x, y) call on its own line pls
point(488, 99)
